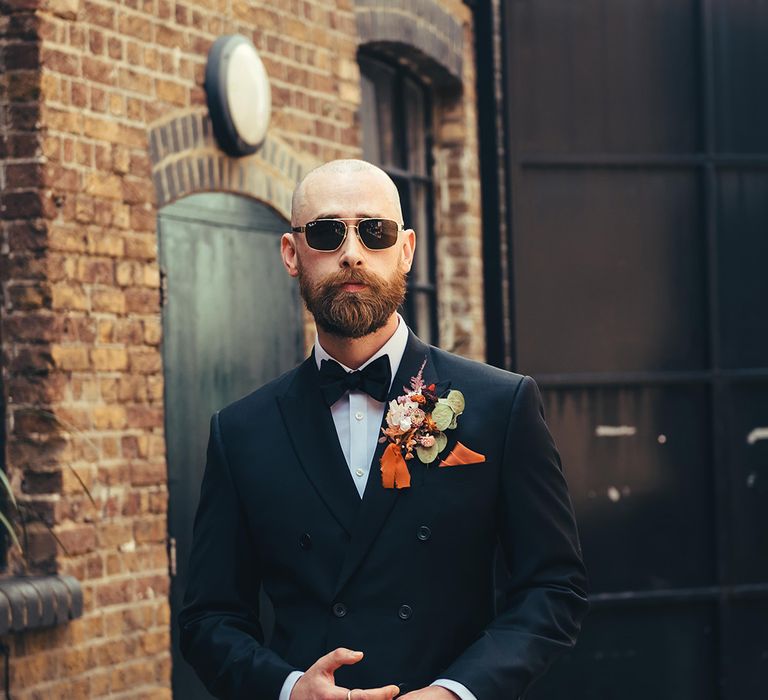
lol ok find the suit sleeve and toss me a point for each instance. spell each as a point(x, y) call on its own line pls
point(220, 633)
point(546, 597)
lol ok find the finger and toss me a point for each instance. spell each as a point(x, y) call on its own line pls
point(386, 692)
point(338, 657)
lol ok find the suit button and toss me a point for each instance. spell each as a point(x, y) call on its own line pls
point(305, 541)
point(339, 609)
point(423, 533)
point(405, 612)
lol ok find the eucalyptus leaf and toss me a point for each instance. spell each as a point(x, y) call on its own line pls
point(455, 400)
point(442, 414)
point(427, 454)
point(453, 423)
point(441, 440)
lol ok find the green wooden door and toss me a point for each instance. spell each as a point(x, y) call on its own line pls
point(231, 321)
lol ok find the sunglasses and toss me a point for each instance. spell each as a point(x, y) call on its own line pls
point(329, 234)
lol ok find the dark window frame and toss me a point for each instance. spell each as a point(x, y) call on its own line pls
point(408, 179)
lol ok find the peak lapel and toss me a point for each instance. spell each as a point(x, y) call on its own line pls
point(377, 501)
point(312, 432)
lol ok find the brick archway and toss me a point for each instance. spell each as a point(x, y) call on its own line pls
point(423, 34)
point(186, 159)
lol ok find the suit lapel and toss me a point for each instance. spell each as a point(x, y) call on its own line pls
point(377, 501)
point(313, 435)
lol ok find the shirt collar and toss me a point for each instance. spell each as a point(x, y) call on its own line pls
point(394, 348)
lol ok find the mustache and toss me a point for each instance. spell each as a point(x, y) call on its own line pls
point(341, 277)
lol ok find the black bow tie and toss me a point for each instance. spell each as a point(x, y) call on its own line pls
point(374, 379)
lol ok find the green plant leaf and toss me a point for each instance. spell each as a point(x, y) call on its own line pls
point(442, 414)
point(454, 422)
point(441, 440)
point(427, 454)
point(9, 529)
point(455, 400)
point(7, 486)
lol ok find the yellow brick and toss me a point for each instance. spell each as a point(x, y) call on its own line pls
point(110, 300)
point(173, 92)
point(152, 276)
point(106, 359)
point(65, 296)
point(104, 185)
point(109, 417)
point(69, 357)
point(153, 331)
point(101, 129)
point(105, 243)
point(125, 272)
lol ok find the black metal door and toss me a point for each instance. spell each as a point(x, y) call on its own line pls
point(637, 150)
point(231, 321)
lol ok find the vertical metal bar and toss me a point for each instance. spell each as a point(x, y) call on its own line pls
point(511, 173)
point(487, 36)
point(719, 394)
point(429, 144)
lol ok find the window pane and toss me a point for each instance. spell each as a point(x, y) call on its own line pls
point(414, 114)
point(369, 121)
point(422, 272)
point(423, 315)
point(381, 102)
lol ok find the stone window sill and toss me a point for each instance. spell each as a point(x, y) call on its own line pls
point(32, 602)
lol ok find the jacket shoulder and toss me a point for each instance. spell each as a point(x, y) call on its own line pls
point(458, 368)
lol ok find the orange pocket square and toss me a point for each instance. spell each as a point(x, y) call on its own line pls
point(461, 454)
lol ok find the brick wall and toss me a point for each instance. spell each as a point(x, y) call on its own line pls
point(84, 84)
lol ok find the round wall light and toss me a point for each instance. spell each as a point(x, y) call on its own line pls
point(238, 95)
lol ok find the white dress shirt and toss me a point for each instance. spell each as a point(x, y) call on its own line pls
point(357, 418)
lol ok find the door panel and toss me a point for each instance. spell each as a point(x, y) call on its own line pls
point(231, 322)
point(630, 453)
point(605, 76)
point(621, 287)
point(640, 653)
point(636, 156)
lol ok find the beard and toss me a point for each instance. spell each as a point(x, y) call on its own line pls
point(352, 314)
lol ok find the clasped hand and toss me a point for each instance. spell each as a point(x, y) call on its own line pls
point(318, 683)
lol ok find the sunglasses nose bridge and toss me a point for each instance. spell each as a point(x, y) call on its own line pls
point(347, 246)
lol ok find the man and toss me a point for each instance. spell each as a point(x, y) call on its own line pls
point(381, 584)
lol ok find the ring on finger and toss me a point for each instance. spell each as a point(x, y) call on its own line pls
point(349, 695)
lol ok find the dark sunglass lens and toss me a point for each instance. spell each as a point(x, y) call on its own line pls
point(325, 234)
point(378, 233)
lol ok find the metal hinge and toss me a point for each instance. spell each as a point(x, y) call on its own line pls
point(172, 555)
point(163, 287)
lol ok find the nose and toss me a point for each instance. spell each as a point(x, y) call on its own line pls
point(351, 249)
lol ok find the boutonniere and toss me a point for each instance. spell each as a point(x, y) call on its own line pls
point(416, 423)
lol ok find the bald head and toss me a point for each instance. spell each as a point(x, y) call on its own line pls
point(314, 197)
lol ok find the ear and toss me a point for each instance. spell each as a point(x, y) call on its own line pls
point(289, 254)
point(409, 248)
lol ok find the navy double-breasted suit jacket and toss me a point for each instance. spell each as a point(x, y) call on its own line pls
point(407, 576)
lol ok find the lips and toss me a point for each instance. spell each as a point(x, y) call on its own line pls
point(352, 286)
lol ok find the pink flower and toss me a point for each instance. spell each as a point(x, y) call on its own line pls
point(428, 440)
